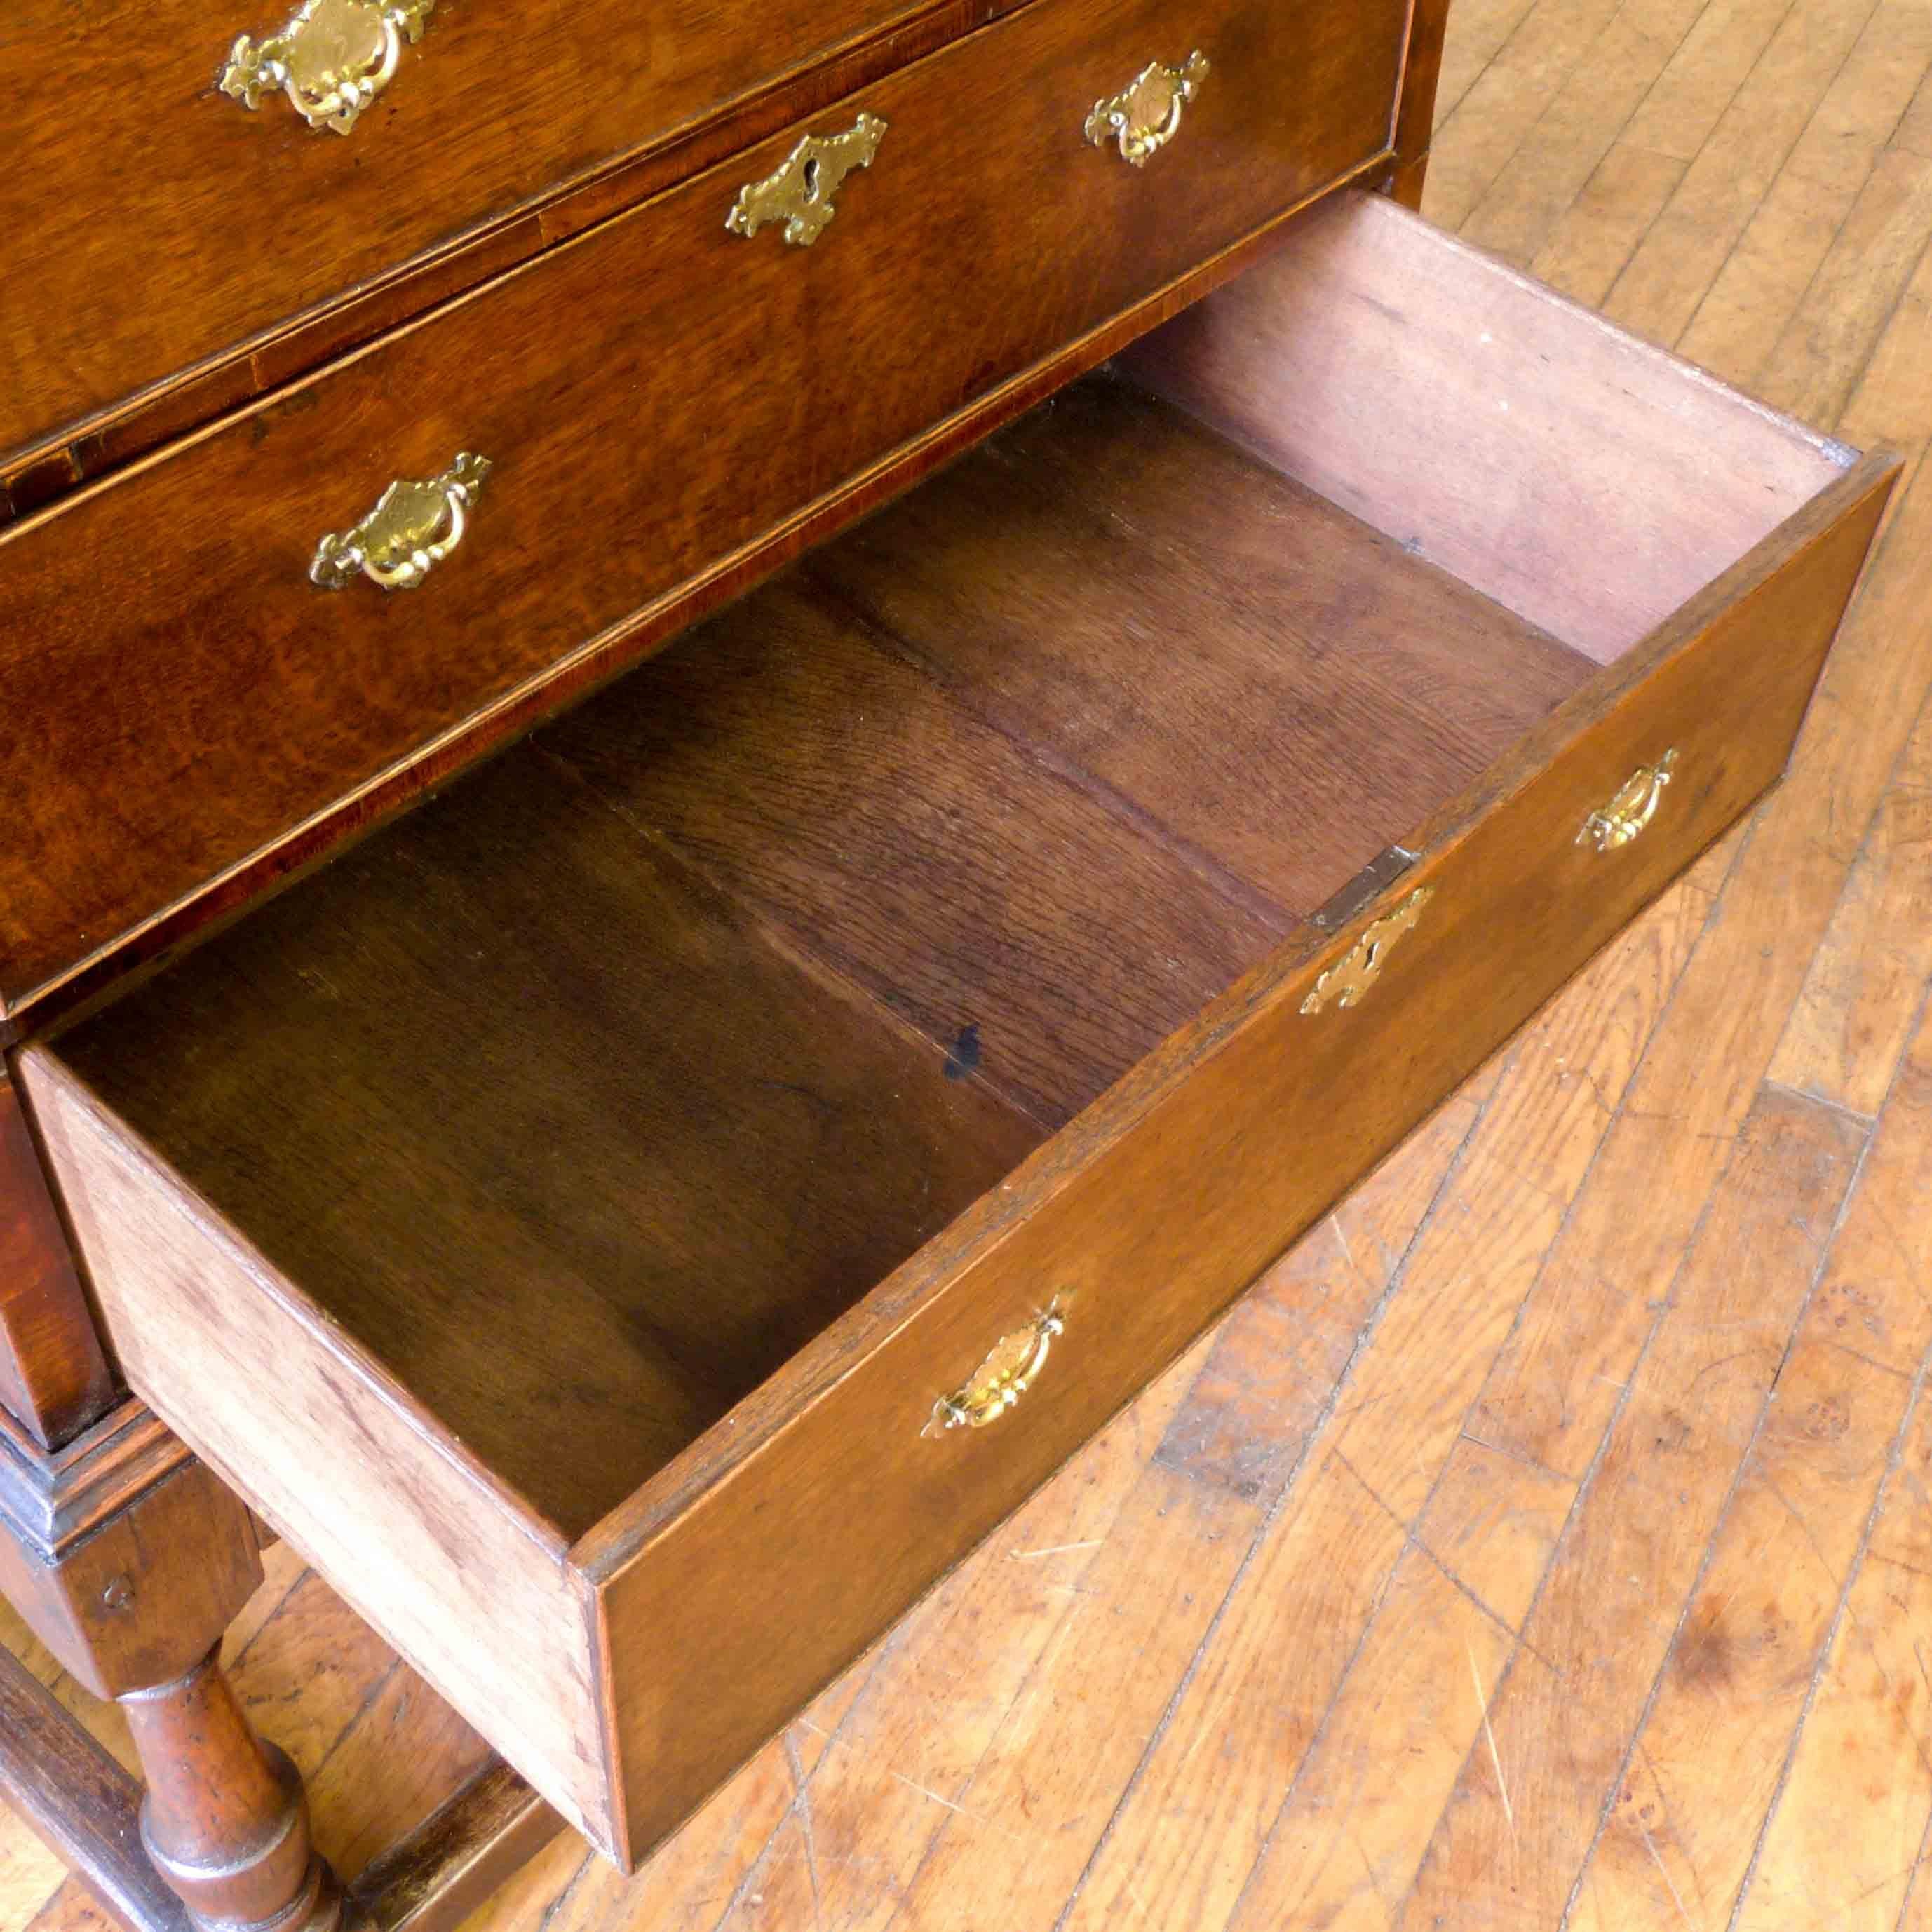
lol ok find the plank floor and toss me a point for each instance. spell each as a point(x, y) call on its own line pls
point(1618, 1614)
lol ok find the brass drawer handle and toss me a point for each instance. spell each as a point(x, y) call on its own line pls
point(1633, 807)
point(1001, 1379)
point(798, 192)
point(412, 528)
point(1145, 115)
point(332, 58)
point(1344, 983)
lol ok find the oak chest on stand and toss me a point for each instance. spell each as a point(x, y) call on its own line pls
point(731, 776)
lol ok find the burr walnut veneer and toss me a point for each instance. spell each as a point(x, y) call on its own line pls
point(636, 1218)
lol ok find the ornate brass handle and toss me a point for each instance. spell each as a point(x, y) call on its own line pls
point(412, 528)
point(1145, 115)
point(1633, 807)
point(1344, 983)
point(1001, 1379)
point(798, 192)
point(332, 58)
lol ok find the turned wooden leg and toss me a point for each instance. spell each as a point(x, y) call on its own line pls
point(128, 1560)
point(225, 1819)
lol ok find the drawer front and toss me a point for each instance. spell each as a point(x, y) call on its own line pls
point(236, 221)
point(653, 397)
point(1142, 1221)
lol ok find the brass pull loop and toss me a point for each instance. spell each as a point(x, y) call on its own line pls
point(1145, 115)
point(1001, 1379)
point(412, 528)
point(332, 58)
point(1633, 807)
point(1345, 982)
point(798, 192)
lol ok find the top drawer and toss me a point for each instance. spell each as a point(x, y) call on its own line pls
point(162, 225)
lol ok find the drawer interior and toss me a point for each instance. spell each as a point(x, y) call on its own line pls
point(589, 1092)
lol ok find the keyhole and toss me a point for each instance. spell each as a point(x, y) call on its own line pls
point(811, 179)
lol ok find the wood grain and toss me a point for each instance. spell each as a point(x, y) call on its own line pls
point(82, 1802)
point(1524, 1815)
point(586, 1197)
point(1573, 1351)
point(1867, 1737)
point(1844, 1842)
point(1304, 1622)
point(1711, 1753)
point(1309, 722)
point(434, 1549)
point(1630, 60)
point(1065, 1219)
point(1733, 125)
point(1415, 112)
point(820, 780)
point(1853, 1020)
point(801, 760)
point(489, 1827)
point(522, 873)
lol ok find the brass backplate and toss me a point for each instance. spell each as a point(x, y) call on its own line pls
point(800, 191)
point(1345, 982)
point(331, 58)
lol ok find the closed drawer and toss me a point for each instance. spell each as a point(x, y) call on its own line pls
point(590, 1217)
point(657, 399)
point(255, 239)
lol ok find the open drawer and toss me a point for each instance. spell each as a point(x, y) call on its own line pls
point(637, 1220)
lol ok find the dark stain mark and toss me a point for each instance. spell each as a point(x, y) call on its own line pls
point(1707, 1653)
point(962, 1056)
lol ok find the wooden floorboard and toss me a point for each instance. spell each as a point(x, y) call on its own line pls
point(1548, 1543)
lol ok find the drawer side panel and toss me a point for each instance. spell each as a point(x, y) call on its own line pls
point(749, 1573)
point(480, 1599)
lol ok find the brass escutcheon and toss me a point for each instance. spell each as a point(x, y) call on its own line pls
point(412, 528)
point(800, 191)
point(1633, 807)
point(1002, 1379)
point(332, 58)
point(1344, 983)
point(1145, 115)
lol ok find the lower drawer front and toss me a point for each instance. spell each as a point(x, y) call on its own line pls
point(1141, 1222)
point(652, 398)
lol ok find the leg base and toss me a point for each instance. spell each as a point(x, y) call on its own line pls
point(87, 1809)
point(243, 1893)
